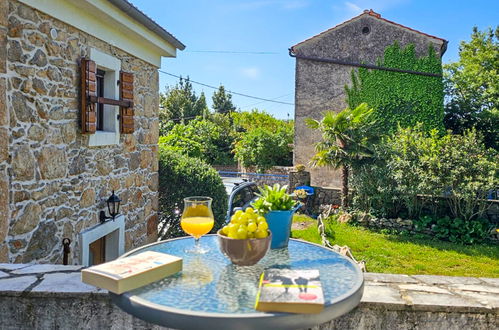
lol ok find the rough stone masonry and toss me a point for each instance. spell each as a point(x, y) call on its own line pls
point(52, 185)
point(320, 86)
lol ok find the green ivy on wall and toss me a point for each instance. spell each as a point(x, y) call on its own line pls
point(401, 98)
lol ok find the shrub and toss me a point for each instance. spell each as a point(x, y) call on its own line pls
point(264, 149)
point(181, 176)
point(456, 230)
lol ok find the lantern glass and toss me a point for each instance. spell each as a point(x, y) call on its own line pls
point(113, 205)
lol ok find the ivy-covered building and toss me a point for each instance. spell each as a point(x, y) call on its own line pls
point(361, 47)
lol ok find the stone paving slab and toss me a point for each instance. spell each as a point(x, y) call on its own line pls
point(439, 302)
point(493, 281)
point(385, 293)
point(389, 278)
point(63, 282)
point(435, 279)
point(43, 268)
point(423, 288)
point(13, 266)
point(16, 283)
point(476, 288)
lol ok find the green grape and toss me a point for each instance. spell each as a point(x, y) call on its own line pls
point(260, 219)
point(252, 227)
point(225, 230)
point(250, 210)
point(242, 233)
point(261, 233)
point(263, 226)
point(238, 213)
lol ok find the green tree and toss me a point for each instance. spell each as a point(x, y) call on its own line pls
point(472, 87)
point(180, 103)
point(264, 148)
point(249, 120)
point(222, 101)
point(346, 141)
point(200, 138)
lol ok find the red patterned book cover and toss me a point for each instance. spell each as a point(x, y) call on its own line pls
point(290, 290)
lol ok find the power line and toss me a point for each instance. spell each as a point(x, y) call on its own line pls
point(229, 91)
point(232, 52)
point(275, 98)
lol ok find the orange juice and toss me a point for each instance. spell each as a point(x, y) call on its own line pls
point(196, 226)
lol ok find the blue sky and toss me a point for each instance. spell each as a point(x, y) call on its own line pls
point(273, 26)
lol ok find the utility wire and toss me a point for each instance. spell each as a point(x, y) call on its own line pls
point(229, 91)
point(231, 52)
point(275, 98)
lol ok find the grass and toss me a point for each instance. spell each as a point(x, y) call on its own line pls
point(404, 254)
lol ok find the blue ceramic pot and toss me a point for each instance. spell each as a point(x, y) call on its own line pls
point(280, 225)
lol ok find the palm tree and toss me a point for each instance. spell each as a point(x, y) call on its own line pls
point(346, 141)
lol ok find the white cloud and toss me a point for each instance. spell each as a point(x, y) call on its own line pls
point(353, 7)
point(251, 72)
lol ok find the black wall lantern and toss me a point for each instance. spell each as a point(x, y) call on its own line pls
point(113, 206)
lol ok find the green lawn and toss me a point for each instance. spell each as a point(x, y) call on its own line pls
point(403, 254)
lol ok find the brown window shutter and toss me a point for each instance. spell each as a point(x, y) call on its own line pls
point(126, 94)
point(88, 89)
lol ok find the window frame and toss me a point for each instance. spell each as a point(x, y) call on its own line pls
point(110, 133)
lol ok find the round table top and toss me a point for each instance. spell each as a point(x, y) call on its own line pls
point(212, 293)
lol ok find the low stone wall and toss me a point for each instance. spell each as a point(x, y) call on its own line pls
point(53, 297)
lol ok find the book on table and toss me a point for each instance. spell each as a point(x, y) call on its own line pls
point(290, 290)
point(125, 274)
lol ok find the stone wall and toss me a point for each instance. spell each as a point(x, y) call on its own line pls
point(52, 296)
point(320, 86)
point(57, 184)
point(4, 134)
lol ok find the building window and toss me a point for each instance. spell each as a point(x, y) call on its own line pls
point(100, 93)
point(108, 126)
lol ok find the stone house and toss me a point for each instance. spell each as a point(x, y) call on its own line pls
point(79, 101)
point(323, 67)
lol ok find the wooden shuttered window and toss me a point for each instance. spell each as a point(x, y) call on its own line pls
point(88, 89)
point(90, 99)
point(126, 94)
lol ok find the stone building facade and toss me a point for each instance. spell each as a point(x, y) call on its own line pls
point(319, 86)
point(54, 180)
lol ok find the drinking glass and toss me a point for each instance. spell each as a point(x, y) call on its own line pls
point(197, 220)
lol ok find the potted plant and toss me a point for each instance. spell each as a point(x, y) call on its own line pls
point(277, 207)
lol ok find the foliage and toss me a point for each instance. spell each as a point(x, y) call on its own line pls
point(273, 198)
point(346, 140)
point(222, 101)
point(180, 103)
point(472, 87)
point(249, 120)
point(400, 98)
point(263, 148)
point(456, 230)
point(201, 138)
point(456, 168)
point(181, 176)
point(408, 254)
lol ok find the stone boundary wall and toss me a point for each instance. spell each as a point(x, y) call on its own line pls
point(53, 297)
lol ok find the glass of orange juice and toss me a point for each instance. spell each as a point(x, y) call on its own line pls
point(197, 219)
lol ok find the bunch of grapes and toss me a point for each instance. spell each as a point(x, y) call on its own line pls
point(246, 224)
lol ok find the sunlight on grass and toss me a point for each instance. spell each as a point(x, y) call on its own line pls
point(403, 254)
